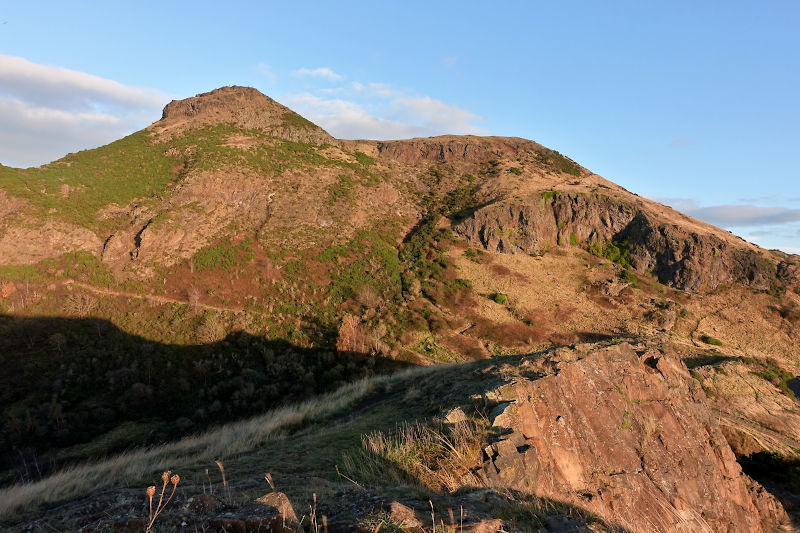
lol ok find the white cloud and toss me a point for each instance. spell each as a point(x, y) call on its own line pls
point(380, 111)
point(321, 72)
point(63, 88)
point(745, 215)
point(439, 116)
point(266, 71)
point(734, 215)
point(46, 111)
point(768, 226)
point(348, 120)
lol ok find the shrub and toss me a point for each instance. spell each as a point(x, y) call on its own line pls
point(573, 239)
point(473, 255)
point(618, 252)
point(710, 340)
point(629, 277)
point(500, 298)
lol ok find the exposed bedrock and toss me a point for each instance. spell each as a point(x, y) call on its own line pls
point(626, 435)
point(685, 259)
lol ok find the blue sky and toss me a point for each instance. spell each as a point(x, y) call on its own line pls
point(694, 104)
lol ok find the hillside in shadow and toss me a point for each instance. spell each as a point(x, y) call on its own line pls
point(74, 389)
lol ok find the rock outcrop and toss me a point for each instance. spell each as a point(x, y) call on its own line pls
point(627, 436)
point(452, 148)
point(23, 245)
point(686, 259)
point(243, 107)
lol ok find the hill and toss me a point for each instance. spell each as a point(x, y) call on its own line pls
point(234, 257)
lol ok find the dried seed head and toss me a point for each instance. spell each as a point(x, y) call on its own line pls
point(165, 477)
point(175, 479)
point(150, 491)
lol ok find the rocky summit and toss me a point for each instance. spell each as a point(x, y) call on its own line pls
point(454, 333)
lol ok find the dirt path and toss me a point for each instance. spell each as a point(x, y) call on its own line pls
point(149, 297)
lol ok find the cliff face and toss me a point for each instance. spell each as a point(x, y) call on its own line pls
point(626, 435)
point(685, 259)
point(452, 149)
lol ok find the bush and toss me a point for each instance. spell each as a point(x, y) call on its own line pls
point(500, 298)
point(710, 340)
point(618, 252)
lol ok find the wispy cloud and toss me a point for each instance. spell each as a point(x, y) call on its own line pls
point(320, 72)
point(266, 71)
point(769, 226)
point(47, 111)
point(735, 215)
point(61, 88)
point(745, 215)
point(381, 111)
point(683, 142)
point(450, 61)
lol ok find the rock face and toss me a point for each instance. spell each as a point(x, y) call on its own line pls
point(23, 245)
point(628, 437)
point(452, 148)
point(244, 107)
point(686, 259)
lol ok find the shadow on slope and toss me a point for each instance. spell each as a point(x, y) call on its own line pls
point(780, 476)
point(76, 389)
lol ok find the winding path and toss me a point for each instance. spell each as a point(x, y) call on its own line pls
point(149, 297)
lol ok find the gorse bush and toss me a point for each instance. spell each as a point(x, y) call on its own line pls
point(500, 298)
point(618, 252)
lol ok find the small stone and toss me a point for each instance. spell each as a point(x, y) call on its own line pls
point(454, 416)
point(404, 515)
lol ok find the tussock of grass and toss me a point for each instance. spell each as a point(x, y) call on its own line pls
point(226, 441)
point(436, 455)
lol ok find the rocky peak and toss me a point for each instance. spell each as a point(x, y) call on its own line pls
point(244, 107)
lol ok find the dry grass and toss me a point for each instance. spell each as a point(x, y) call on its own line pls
point(226, 441)
point(436, 455)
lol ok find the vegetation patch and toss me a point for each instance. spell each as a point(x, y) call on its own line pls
point(708, 339)
point(78, 185)
point(558, 162)
point(616, 251)
point(698, 361)
point(773, 470)
point(341, 189)
point(499, 297)
point(224, 255)
point(293, 120)
point(433, 454)
point(769, 370)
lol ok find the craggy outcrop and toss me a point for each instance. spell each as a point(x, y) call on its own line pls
point(452, 148)
point(536, 225)
point(627, 436)
point(692, 261)
point(244, 107)
point(789, 271)
point(28, 245)
point(686, 259)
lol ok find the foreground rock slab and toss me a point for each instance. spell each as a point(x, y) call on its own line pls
point(627, 436)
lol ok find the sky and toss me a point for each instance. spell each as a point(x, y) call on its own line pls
point(694, 104)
